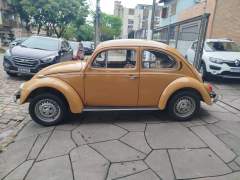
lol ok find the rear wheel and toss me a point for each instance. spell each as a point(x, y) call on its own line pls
point(184, 105)
point(48, 109)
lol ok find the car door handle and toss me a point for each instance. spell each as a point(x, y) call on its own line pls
point(132, 77)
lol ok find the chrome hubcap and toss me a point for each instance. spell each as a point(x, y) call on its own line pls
point(47, 110)
point(185, 106)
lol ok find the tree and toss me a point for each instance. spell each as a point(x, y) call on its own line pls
point(53, 15)
point(85, 33)
point(110, 26)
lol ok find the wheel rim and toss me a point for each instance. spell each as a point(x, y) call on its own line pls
point(185, 107)
point(47, 110)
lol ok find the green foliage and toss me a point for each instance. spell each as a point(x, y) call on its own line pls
point(85, 33)
point(53, 15)
point(70, 33)
point(110, 26)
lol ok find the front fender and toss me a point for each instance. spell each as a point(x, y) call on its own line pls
point(72, 97)
point(182, 83)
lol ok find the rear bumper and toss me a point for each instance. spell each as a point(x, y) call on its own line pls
point(214, 96)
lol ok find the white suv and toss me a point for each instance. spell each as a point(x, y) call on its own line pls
point(221, 57)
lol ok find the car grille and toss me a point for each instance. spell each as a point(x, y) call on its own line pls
point(25, 61)
point(232, 64)
point(230, 74)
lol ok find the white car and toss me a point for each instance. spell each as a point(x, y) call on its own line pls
point(221, 57)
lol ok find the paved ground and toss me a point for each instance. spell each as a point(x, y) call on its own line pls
point(123, 145)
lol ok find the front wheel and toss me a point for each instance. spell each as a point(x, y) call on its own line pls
point(48, 109)
point(184, 105)
point(203, 71)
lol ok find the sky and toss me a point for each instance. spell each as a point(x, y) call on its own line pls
point(107, 6)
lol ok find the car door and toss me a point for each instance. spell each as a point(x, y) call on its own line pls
point(112, 78)
point(157, 70)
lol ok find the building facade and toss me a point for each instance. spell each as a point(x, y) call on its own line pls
point(136, 20)
point(224, 20)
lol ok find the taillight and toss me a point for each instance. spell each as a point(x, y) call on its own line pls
point(210, 88)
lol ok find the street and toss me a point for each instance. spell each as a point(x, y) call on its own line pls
point(122, 145)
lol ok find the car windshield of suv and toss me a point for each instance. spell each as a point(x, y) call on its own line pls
point(41, 43)
point(223, 46)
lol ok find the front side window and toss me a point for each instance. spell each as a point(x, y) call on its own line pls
point(152, 59)
point(115, 58)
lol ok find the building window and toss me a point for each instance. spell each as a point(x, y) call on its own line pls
point(173, 8)
point(131, 12)
point(130, 22)
point(164, 12)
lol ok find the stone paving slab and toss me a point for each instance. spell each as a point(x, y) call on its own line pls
point(197, 163)
point(233, 176)
point(116, 151)
point(214, 143)
point(171, 135)
point(160, 163)
point(88, 164)
point(118, 170)
point(58, 168)
point(144, 175)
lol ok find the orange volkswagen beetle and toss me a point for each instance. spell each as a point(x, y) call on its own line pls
point(120, 75)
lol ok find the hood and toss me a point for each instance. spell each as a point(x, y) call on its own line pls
point(65, 67)
point(29, 52)
point(228, 56)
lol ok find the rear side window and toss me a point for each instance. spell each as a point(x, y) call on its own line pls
point(152, 59)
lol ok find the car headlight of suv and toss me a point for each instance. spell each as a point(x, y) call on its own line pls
point(216, 60)
point(48, 59)
point(7, 54)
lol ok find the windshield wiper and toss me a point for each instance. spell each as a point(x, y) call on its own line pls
point(38, 48)
point(23, 45)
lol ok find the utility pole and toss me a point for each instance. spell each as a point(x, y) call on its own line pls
point(97, 23)
point(152, 19)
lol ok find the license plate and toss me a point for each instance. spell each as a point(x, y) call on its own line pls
point(23, 70)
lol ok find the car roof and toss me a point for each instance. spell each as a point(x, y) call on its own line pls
point(53, 38)
point(132, 42)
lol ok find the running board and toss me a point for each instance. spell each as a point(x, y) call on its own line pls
point(120, 109)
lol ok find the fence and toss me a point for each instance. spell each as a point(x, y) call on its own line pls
point(182, 34)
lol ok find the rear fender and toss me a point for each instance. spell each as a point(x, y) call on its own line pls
point(184, 83)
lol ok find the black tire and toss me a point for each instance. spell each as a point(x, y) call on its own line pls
point(188, 95)
point(55, 101)
point(205, 75)
point(11, 74)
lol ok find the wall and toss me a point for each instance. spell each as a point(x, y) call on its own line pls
point(227, 20)
point(197, 10)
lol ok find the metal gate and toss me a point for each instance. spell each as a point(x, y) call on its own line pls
point(181, 36)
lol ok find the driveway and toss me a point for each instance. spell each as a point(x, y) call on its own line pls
point(122, 145)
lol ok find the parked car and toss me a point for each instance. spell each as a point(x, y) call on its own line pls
point(120, 75)
point(88, 47)
point(221, 58)
point(78, 50)
point(17, 41)
point(34, 54)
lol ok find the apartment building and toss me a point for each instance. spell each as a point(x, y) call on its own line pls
point(224, 20)
point(136, 19)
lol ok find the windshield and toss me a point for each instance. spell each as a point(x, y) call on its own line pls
point(223, 46)
point(41, 43)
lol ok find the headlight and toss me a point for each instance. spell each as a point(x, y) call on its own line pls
point(7, 54)
point(48, 59)
point(216, 60)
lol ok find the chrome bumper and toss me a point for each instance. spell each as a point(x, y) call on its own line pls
point(214, 96)
point(16, 96)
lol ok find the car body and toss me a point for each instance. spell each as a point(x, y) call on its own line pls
point(120, 75)
point(221, 58)
point(36, 53)
point(17, 41)
point(78, 50)
point(88, 47)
